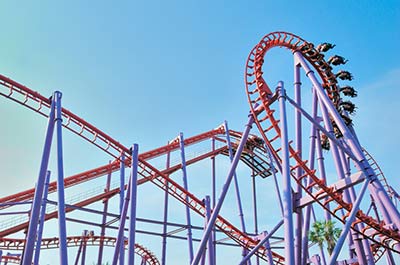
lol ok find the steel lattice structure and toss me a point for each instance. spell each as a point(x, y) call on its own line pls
point(306, 154)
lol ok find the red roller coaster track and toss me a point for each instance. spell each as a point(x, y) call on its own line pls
point(261, 99)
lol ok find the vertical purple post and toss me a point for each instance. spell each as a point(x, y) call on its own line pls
point(80, 249)
point(60, 184)
point(213, 175)
point(364, 246)
point(104, 220)
point(121, 204)
point(225, 188)
point(253, 178)
point(210, 240)
point(299, 171)
point(78, 254)
point(214, 187)
point(84, 238)
point(41, 220)
point(340, 173)
point(121, 182)
point(185, 185)
point(236, 185)
point(287, 188)
point(306, 224)
point(120, 244)
point(321, 167)
point(363, 165)
point(164, 242)
point(133, 198)
point(37, 198)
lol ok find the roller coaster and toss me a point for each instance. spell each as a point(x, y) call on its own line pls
point(253, 195)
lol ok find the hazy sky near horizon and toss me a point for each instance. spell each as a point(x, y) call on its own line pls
point(143, 71)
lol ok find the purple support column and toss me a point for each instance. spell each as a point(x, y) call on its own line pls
point(164, 242)
point(362, 162)
point(261, 243)
point(287, 188)
point(37, 198)
point(348, 224)
point(121, 205)
point(104, 220)
point(340, 172)
point(133, 197)
point(253, 178)
point(228, 180)
point(185, 185)
point(84, 238)
point(120, 244)
point(365, 247)
point(213, 173)
point(321, 168)
point(214, 187)
point(299, 170)
point(78, 254)
point(63, 252)
point(121, 182)
point(41, 220)
point(210, 241)
point(307, 219)
point(236, 185)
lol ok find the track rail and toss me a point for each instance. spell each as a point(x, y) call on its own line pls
point(34, 101)
point(112, 167)
point(256, 150)
point(40, 104)
point(75, 241)
point(259, 94)
point(179, 193)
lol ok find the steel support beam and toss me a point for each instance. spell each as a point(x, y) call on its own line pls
point(224, 191)
point(287, 188)
point(133, 204)
point(37, 198)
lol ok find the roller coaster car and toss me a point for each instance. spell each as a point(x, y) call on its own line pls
point(325, 142)
point(324, 47)
point(348, 91)
point(337, 60)
point(258, 140)
point(254, 141)
point(344, 75)
point(348, 106)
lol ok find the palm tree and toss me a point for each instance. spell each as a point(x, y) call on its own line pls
point(324, 232)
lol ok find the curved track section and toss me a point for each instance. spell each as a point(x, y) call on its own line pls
point(40, 104)
point(261, 99)
point(76, 241)
point(255, 156)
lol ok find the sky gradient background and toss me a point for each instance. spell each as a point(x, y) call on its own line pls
point(144, 71)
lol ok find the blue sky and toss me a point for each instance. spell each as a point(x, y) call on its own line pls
point(144, 71)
